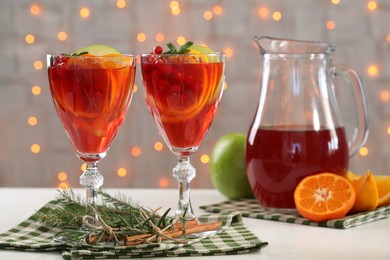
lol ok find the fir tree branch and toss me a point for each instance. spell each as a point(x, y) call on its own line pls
point(116, 213)
point(116, 219)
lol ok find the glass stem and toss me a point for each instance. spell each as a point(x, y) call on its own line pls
point(91, 180)
point(184, 172)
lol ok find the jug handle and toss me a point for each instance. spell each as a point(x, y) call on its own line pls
point(360, 134)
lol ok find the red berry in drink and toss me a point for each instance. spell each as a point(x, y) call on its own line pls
point(158, 50)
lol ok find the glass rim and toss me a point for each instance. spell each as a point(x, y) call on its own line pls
point(95, 56)
point(184, 54)
point(273, 45)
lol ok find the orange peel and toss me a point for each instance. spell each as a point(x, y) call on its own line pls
point(367, 197)
point(383, 184)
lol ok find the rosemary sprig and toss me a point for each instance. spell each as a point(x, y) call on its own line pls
point(182, 50)
point(78, 54)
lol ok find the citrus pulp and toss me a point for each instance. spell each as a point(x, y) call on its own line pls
point(324, 196)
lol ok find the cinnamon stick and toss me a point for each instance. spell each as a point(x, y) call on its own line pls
point(188, 224)
point(191, 229)
point(178, 230)
point(136, 239)
point(93, 239)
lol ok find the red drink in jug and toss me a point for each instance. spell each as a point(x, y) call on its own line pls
point(278, 158)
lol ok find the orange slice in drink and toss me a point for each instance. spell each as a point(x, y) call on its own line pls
point(178, 110)
point(198, 57)
point(324, 196)
point(101, 78)
point(199, 91)
point(115, 61)
point(80, 62)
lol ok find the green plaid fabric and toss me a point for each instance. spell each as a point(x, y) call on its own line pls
point(252, 209)
point(233, 238)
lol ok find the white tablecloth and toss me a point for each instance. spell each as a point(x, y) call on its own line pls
point(286, 241)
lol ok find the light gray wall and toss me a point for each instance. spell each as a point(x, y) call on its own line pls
point(360, 36)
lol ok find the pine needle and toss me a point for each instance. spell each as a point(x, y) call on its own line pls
point(119, 214)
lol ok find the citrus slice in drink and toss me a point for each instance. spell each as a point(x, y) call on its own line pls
point(98, 50)
point(200, 49)
point(182, 85)
point(324, 196)
point(103, 74)
point(195, 48)
point(188, 92)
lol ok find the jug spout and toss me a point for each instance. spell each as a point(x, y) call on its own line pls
point(287, 46)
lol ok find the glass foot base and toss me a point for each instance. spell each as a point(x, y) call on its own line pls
point(64, 237)
point(60, 239)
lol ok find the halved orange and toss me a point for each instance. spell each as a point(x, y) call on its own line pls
point(324, 196)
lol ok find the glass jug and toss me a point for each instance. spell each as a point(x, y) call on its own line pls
point(297, 130)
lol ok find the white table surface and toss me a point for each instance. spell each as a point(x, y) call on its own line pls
point(286, 241)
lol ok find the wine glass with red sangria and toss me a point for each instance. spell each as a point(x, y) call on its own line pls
point(183, 91)
point(91, 94)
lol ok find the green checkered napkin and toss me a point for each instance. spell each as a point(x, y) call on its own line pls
point(252, 209)
point(234, 238)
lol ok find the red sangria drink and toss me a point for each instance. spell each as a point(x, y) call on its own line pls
point(183, 101)
point(183, 90)
point(91, 96)
point(278, 158)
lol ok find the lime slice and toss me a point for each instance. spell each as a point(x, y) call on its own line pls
point(98, 50)
point(200, 49)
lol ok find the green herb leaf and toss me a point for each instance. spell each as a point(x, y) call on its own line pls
point(185, 48)
point(172, 49)
point(78, 54)
point(182, 50)
point(163, 218)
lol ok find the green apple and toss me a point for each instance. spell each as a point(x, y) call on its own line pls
point(228, 167)
point(98, 50)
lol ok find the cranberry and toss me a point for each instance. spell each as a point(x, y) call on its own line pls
point(60, 59)
point(151, 58)
point(158, 50)
point(60, 64)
